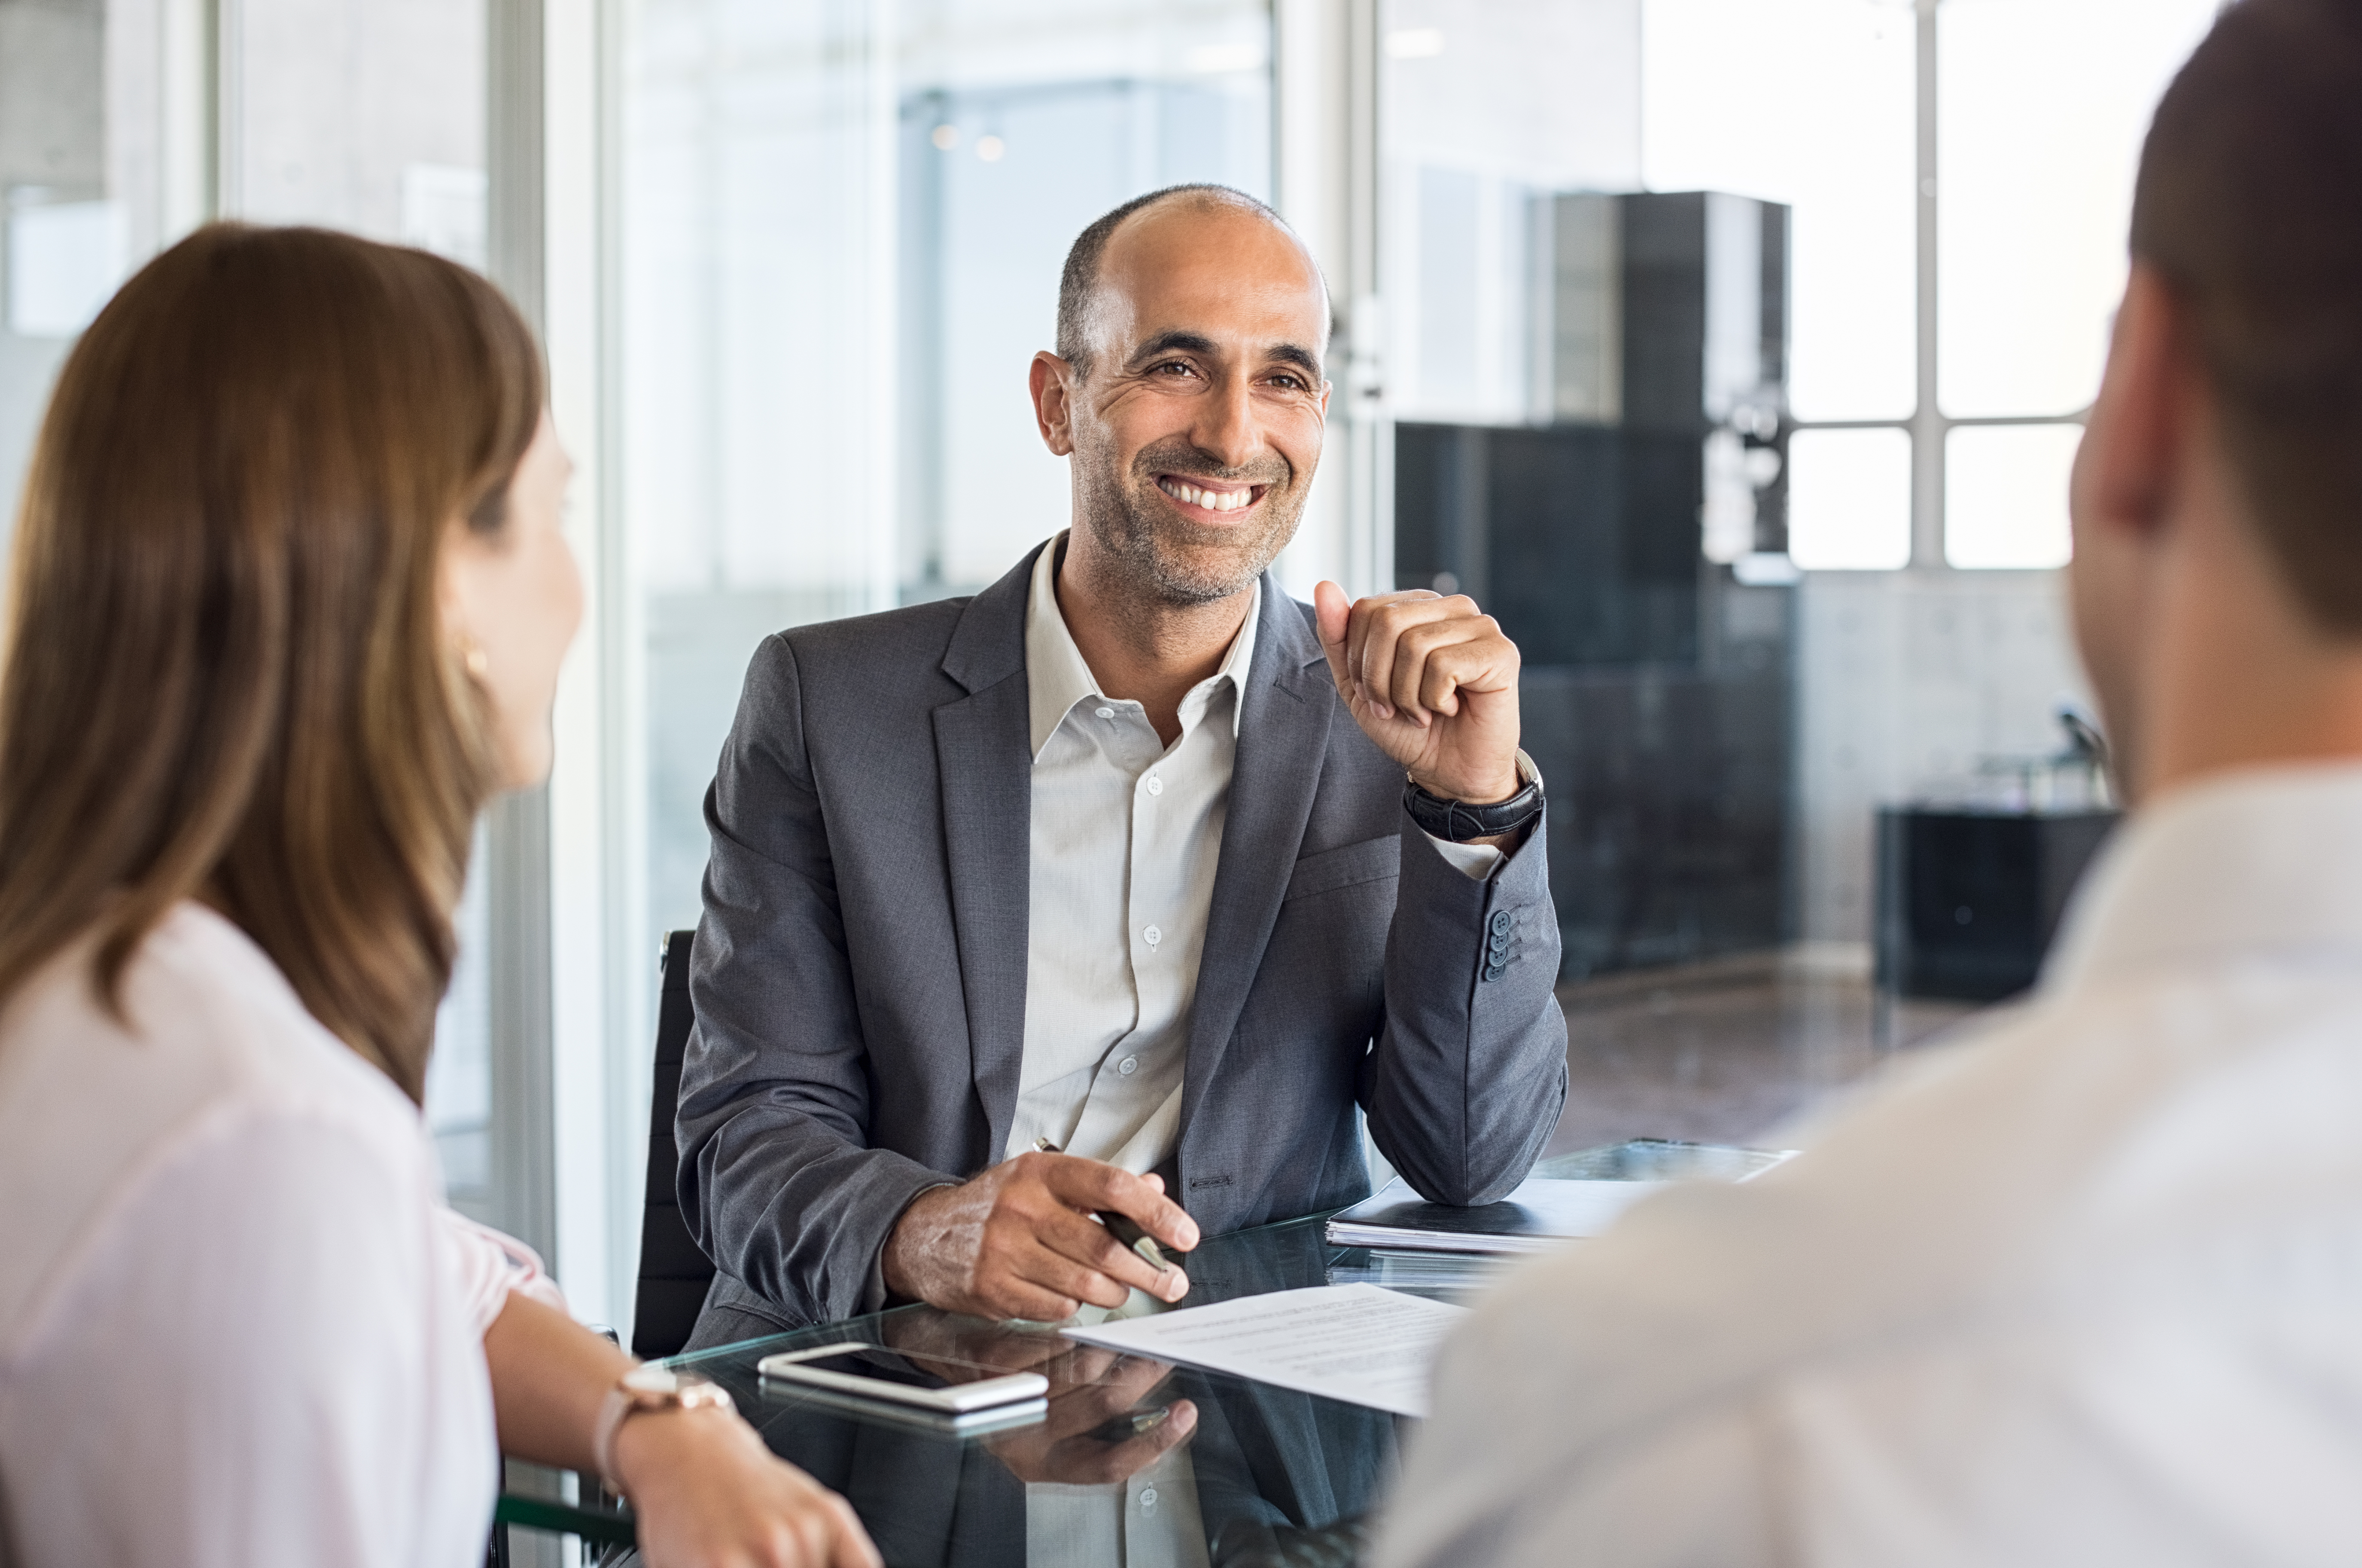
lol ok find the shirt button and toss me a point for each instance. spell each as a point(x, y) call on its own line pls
point(1128, 1066)
point(1105, 713)
point(1151, 937)
point(1148, 1500)
point(1155, 785)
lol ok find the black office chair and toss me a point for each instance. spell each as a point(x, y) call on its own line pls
point(674, 1274)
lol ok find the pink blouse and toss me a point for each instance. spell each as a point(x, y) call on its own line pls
point(238, 1325)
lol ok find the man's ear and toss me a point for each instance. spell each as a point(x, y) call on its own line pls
point(2123, 500)
point(2131, 454)
point(1051, 379)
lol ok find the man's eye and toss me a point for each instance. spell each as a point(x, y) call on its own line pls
point(1176, 366)
point(1290, 382)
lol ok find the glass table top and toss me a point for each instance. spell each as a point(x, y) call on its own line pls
point(1132, 1460)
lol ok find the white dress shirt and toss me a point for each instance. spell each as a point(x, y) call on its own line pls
point(2085, 1288)
point(238, 1324)
point(1127, 835)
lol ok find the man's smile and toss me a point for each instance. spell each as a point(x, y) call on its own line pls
point(1223, 499)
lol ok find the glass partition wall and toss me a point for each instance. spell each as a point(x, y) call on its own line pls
point(843, 227)
point(370, 118)
point(1687, 299)
point(87, 187)
point(125, 123)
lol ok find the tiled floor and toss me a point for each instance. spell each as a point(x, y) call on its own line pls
point(1722, 1052)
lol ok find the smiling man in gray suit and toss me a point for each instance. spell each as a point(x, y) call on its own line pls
point(1118, 856)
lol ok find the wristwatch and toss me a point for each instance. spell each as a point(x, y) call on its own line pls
point(639, 1391)
point(1456, 821)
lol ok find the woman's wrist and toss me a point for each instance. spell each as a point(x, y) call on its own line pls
point(649, 1441)
point(649, 1412)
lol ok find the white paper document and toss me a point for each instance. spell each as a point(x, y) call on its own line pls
point(1354, 1343)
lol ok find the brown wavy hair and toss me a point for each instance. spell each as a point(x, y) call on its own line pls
point(227, 676)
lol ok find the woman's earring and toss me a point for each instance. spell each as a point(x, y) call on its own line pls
point(473, 656)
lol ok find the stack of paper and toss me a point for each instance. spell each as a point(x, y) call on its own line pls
point(1439, 1276)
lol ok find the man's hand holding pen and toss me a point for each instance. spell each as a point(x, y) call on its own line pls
point(1024, 1240)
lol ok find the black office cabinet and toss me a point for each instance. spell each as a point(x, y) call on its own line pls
point(1968, 901)
point(1657, 689)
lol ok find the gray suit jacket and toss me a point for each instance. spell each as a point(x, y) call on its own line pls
point(859, 976)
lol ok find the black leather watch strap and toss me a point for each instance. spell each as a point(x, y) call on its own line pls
point(1456, 821)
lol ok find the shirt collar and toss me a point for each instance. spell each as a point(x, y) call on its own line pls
point(2261, 861)
point(1056, 676)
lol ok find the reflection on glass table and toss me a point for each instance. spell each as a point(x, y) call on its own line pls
point(1228, 1472)
point(1272, 1476)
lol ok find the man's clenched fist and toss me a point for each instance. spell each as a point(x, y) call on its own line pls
point(1433, 682)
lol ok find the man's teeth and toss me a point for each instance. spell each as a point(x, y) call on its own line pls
point(1211, 500)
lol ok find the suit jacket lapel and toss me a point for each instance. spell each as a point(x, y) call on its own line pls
point(985, 767)
point(1283, 736)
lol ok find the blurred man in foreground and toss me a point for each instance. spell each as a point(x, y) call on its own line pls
point(2087, 1288)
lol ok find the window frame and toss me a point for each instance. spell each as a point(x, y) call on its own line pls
point(1928, 426)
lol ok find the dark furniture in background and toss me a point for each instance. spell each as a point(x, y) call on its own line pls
point(1968, 901)
point(1657, 687)
point(674, 1274)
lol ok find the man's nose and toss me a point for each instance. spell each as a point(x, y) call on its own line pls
point(1227, 429)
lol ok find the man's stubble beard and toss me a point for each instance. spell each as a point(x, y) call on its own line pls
point(1131, 522)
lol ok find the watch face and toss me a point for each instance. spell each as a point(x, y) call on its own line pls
point(651, 1380)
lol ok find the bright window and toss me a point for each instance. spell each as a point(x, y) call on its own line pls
point(1806, 101)
point(2027, 163)
point(2005, 495)
point(1849, 499)
point(2043, 105)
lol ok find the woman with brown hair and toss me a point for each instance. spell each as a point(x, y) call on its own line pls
point(288, 605)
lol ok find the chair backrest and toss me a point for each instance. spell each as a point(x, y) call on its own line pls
point(674, 1274)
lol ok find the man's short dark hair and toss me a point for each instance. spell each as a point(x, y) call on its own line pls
point(2249, 207)
point(1082, 271)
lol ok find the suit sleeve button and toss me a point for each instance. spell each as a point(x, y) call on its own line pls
point(1501, 922)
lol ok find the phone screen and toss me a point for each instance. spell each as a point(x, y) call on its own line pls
point(877, 1365)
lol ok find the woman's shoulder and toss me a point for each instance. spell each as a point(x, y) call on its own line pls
point(206, 1011)
point(211, 1043)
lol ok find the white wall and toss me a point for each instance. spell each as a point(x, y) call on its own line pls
point(1904, 681)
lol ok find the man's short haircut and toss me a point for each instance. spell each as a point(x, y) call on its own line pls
point(2249, 207)
point(1080, 279)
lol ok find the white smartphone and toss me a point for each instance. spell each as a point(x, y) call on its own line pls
point(878, 1373)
